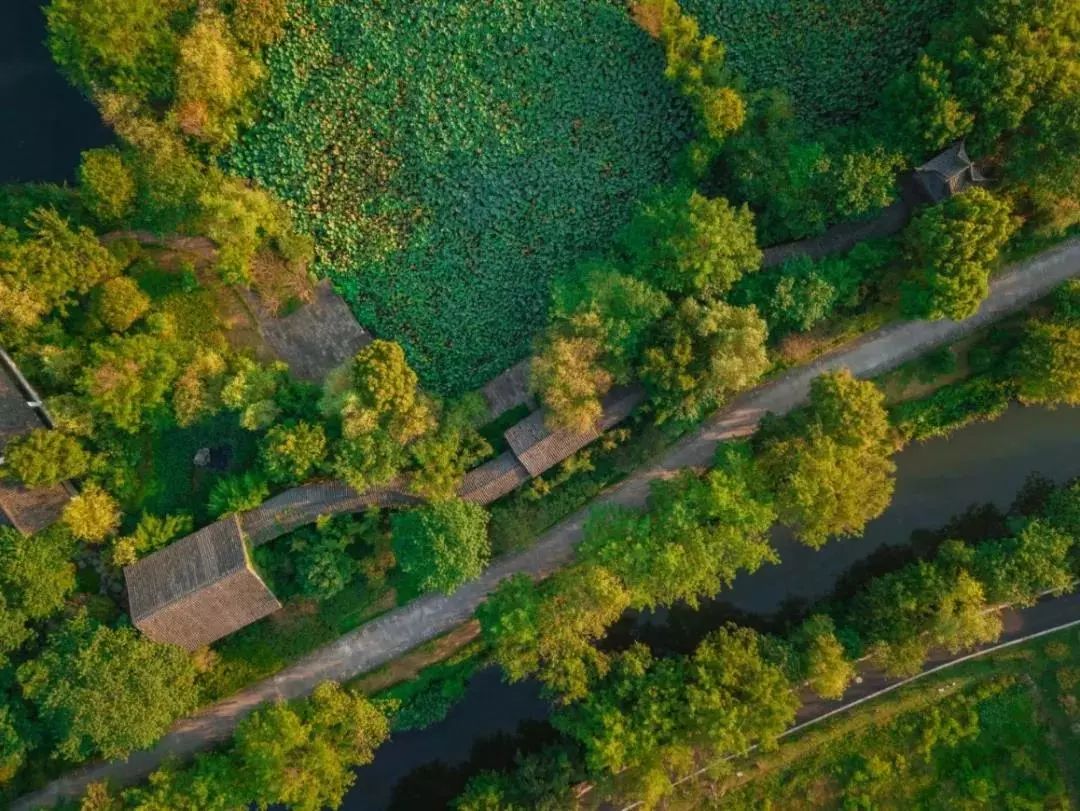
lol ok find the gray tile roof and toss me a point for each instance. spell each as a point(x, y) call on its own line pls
point(198, 589)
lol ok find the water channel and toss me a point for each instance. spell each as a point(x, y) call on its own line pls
point(44, 126)
point(936, 480)
point(45, 123)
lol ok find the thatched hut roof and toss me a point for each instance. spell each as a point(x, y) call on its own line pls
point(509, 389)
point(198, 589)
point(539, 449)
point(493, 479)
point(28, 510)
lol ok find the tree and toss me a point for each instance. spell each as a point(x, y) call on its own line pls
point(684, 243)
point(952, 248)
point(323, 565)
point(303, 754)
point(251, 390)
point(444, 456)
point(695, 64)
point(442, 545)
point(120, 303)
point(106, 185)
point(129, 376)
point(102, 44)
point(824, 665)
point(921, 112)
point(107, 692)
point(377, 391)
point(36, 571)
point(15, 742)
point(548, 630)
point(290, 453)
point(46, 271)
point(616, 309)
point(1048, 363)
point(1018, 570)
point(707, 352)
point(368, 461)
point(698, 533)
point(725, 698)
point(830, 465)
point(567, 376)
point(93, 515)
point(198, 391)
point(258, 23)
point(45, 457)
point(215, 81)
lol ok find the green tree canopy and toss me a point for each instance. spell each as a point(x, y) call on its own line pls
point(106, 185)
point(549, 629)
point(696, 535)
point(215, 81)
point(303, 754)
point(44, 457)
point(377, 391)
point(952, 248)
point(107, 692)
point(128, 377)
point(443, 456)
point(119, 303)
point(684, 243)
point(115, 44)
point(442, 545)
point(708, 351)
point(36, 571)
point(290, 453)
point(724, 698)
point(824, 663)
point(830, 465)
point(92, 515)
point(1048, 363)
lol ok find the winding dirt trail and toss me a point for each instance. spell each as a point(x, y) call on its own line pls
point(402, 629)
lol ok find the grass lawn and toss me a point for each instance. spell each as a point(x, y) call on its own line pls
point(999, 732)
point(452, 157)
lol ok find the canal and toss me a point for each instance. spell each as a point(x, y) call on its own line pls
point(45, 123)
point(936, 480)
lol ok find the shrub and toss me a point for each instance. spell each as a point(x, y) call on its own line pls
point(106, 185)
point(440, 546)
point(44, 457)
point(92, 515)
point(120, 303)
point(291, 453)
point(238, 493)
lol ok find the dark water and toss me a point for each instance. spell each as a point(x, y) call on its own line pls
point(44, 122)
point(936, 480)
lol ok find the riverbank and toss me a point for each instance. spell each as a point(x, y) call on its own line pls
point(935, 480)
point(406, 628)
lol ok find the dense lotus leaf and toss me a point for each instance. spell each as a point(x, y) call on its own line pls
point(451, 157)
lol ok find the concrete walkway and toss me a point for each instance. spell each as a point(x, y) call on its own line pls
point(402, 629)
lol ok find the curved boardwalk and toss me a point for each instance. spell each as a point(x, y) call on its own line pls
point(404, 628)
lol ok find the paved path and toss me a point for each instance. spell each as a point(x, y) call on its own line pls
point(402, 629)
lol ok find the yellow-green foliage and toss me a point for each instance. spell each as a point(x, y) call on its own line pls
point(215, 80)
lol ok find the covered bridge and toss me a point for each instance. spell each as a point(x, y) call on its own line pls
point(198, 589)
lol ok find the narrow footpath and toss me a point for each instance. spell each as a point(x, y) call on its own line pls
point(402, 629)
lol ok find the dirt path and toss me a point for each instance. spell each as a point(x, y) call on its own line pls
point(422, 620)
